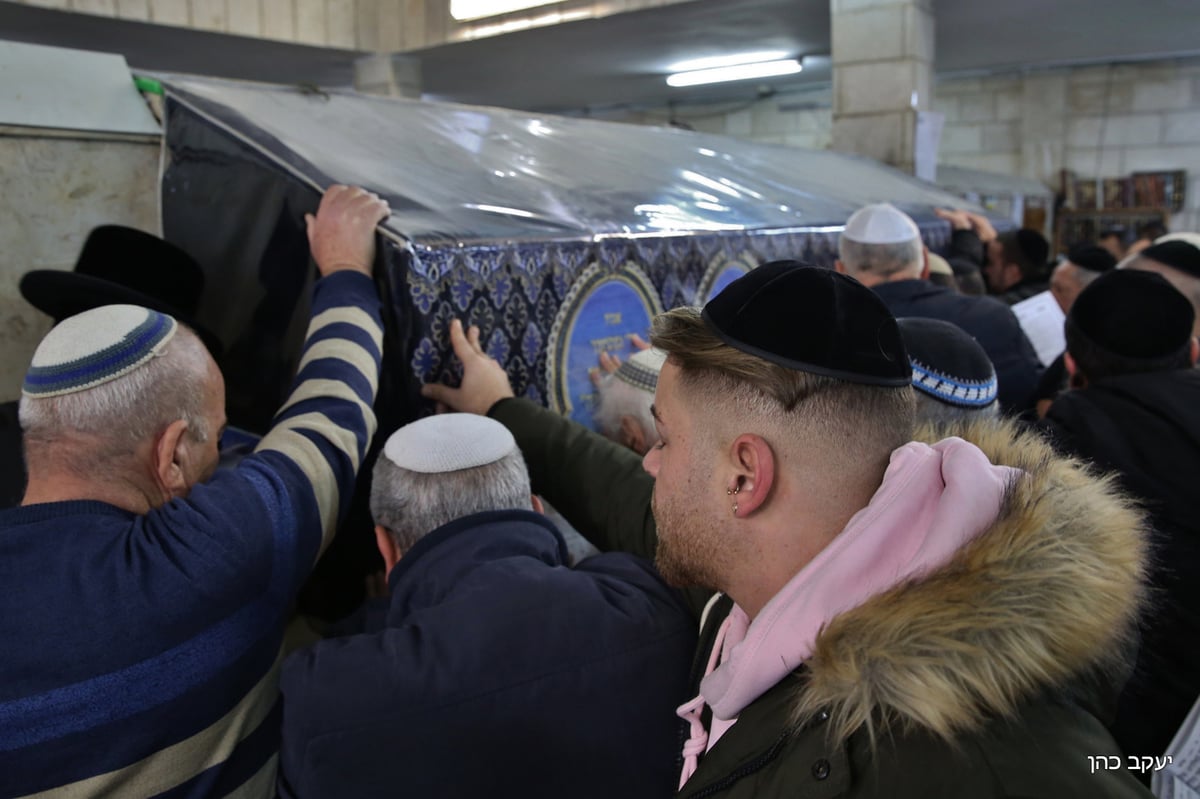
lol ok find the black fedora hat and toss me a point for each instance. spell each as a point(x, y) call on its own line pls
point(122, 265)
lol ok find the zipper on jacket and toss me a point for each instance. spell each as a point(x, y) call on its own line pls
point(754, 765)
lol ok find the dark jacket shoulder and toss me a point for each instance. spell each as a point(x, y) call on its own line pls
point(612, 509)
point(550, 681)
point(989, 321)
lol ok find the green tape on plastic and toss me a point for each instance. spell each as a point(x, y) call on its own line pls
point(148, 85)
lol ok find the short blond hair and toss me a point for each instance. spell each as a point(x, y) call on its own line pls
point(863, 421)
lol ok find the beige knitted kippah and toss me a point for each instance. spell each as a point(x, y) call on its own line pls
point(96, 346)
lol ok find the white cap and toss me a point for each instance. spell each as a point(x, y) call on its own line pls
point(449, 442)
point(1191, 238)
point(882, 223)
point(641, 369)
point(96, 346)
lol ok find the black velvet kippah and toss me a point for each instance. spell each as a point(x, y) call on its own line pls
point(1134, 314)
point(1034, 246)
point(1092, 258)
point(813, 320)
point(1176, 254)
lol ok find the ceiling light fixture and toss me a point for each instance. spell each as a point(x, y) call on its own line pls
point(463, 10)
point(762, 69)
point(713, 62)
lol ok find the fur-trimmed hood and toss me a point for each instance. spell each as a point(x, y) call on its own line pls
point(1049, 593)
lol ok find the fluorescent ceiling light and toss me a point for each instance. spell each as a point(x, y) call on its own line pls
point(478, 9)
point(499, 209)
point(765, 69)
point(726, 60)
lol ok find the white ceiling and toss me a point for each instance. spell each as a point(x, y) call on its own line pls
point(619, 62)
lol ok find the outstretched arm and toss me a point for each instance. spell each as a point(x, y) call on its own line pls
point(599, 486)
point(326, 424)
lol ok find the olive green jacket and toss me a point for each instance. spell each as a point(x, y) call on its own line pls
point(981, 679)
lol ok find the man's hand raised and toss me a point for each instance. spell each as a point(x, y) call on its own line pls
point(959, 220)
point(484, 381)
point(342, 234)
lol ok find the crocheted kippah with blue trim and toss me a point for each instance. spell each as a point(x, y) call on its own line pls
point(947, 364)
point(641, 369)
point(96, 346)
point(969, 393)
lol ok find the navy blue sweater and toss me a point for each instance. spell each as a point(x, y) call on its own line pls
point(141, 652)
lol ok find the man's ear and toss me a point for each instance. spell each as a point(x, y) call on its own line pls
point(1195, 353)
point(839, 267)
point(170, 460)
point(388, 548)
point(754, 474)
point(632, 434)
point(1013, 273)
point(924, 263)
point(536, 503)
point(1075, 378)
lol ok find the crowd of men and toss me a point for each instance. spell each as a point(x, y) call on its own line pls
point(841, 553)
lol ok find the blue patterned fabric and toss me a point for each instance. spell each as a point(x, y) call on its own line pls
point(514, 291)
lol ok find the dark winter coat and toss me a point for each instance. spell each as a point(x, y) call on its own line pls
point(968, 682)
point(1146, 428)
point(987, 320)
point(495, 670)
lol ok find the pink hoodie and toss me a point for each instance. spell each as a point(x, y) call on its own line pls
point(933, 499)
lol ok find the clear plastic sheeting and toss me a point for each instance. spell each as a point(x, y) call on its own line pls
point(557, 238)
point(963, 180)
point(465, 174)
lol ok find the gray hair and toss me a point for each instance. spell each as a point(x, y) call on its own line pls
point(1080, 275)
point(1084, 277)
point(934, 411)
point(124, 412)
point(881, 260)
point(1187, 285)
point(619, 398)
point(411, 504)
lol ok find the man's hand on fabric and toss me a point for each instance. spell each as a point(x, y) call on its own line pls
point(342, 234)
point(484, 381)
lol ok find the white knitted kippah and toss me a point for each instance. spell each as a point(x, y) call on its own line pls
point(881, 223)
point(449, 442)
point(1191, 238)
point(96, 346)
point(641, 369)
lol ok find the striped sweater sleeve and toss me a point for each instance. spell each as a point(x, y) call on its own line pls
point(324, 427)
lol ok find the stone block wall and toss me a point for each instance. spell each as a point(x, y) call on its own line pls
point(1100, 121)
point(53, 191)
